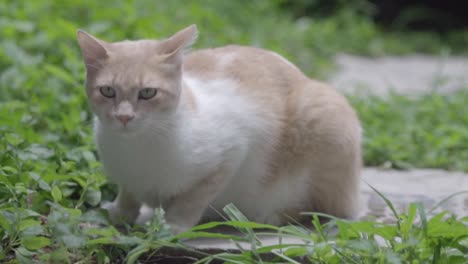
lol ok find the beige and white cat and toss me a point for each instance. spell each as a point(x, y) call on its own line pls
point(194, 132)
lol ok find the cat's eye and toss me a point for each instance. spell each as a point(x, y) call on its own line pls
point(107, 91)
point(147, 93)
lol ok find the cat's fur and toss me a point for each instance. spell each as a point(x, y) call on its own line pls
point(233, 124)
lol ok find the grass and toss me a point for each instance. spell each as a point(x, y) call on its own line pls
point(51, 183)
point(425, 131)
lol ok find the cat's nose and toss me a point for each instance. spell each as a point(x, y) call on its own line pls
point(124, 119)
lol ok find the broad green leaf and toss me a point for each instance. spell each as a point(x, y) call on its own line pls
point(42, 184)
point(73, 241)
point(89, 156)
point(34, 243)
point(7, 170)
point(56, 194)
point(93, 196)
point(13, 139)
point(21, 257)
point(26, 223)
point(4, 223)
point(60, 73)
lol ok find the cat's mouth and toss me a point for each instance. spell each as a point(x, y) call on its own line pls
point(125, 129)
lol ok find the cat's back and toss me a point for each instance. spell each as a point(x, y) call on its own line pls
point(252, 68)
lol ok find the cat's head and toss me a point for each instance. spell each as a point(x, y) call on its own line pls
point(133, 84)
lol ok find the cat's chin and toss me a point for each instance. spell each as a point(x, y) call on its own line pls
point(119, 129)
point(127, 130)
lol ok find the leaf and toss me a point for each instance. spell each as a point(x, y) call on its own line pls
point(407, 223)
point(423, 217)
point(89, 156)
point(135, 253)
point(97, 217)
point(248, 224)
point(73, 241)
point(234, 213)
point(288, 259)
point(361, 244)
point(445, 200)
point(23, 256)
point(295, 251)
point(389, 204)
point(210, 235)
point(7, 170)
point(35, 152)
point(42, 184)
point(374, 228)
point(208, 225)
point(60, 74)
point(93, 196)
point(102, 241)
point(33, 231)
point(116, 240)
point(392, 258)
point(4, 223)
point(13, 139)
point(18, 54)
point(34, 243)
point(56, 194)
point(129, 240)
point(26, 223)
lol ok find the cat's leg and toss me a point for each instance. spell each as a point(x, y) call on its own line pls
point(335, 170)
point(186, 209)
point(335, 190)
point(124, 209)
point(328, 138)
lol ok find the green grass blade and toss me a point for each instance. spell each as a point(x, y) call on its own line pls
point(444, 200)
point(389, 204)
point(423, 217)
point(290, 260)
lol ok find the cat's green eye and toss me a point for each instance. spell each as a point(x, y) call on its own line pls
point(107, 91)
point(147, 93)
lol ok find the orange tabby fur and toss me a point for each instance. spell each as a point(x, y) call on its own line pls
point(303, 147)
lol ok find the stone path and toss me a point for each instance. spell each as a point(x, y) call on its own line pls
point(410, 75)
point(427, 186)
point(400, 187)
point(407, 75)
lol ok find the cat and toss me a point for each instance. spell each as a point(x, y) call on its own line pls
point(194, 131)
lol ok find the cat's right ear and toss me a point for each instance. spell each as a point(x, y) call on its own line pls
point(173, 48)
point(93, 50)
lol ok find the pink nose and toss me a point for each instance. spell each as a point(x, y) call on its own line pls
point(125, 118)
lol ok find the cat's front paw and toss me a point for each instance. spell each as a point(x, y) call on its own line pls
point(118, 216)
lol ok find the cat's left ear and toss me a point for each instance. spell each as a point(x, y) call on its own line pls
point(173, 48)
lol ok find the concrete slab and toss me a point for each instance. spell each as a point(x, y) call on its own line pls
point(413, 74)
point(401, 187)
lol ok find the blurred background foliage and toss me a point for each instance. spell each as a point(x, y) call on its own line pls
point(42, 102)
point(42, 74)
point(49, 171)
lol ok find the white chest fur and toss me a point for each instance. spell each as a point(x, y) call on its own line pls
point(154, 167)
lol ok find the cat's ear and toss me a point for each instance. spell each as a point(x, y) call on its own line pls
point(174, 47)
point(93, 50)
